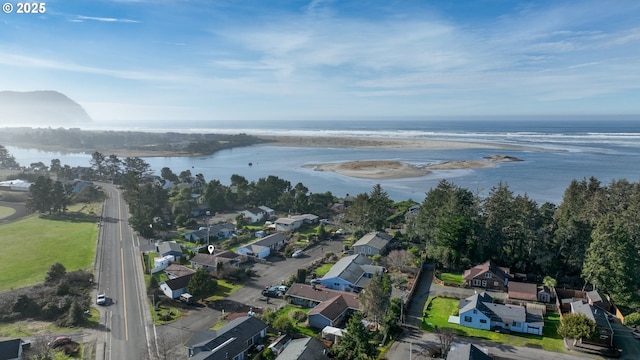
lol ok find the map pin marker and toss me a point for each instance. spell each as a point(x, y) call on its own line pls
point(210, 248)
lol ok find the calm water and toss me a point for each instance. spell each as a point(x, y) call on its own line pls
point(605, 149)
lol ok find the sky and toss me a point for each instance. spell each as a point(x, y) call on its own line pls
point(313, 60)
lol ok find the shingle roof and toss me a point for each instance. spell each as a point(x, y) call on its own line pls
point(319, 294)
point(375, 239)
point(331, 309)
point(270, 240)
point(179, 283)
point(523, 291)
point(230, 339)
point(500, 272)
point(169, 246)
point(304, 349)
point(178, 270)
point(212, 260)
point(581, 307)
point(467, 352)
point(349, 268)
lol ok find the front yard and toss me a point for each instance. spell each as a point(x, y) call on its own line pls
point(439, 309)
point(451, 278)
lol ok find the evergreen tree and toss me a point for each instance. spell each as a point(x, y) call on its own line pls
point(201, 284)
point(355, 343)
point(375, 299)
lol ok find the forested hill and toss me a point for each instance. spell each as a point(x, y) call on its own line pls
point(34, 108)
point(124, 143)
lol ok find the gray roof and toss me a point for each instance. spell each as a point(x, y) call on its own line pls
point(304, 349)
point(169, 246)
point(179, 283)
point(9, 349)
point(375, 239)
point(484, 303)
point(230, 339)
point(591, 312)
point(474, 302)
point(270, 240)
point(467, 352)
point(352, 268)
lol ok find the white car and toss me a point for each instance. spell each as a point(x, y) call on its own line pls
point(101, 300)
point(297, 253)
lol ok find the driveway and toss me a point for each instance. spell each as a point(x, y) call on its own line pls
point(171, 337)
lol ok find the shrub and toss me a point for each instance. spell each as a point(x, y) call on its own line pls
point(632, 319)
point(298, 315)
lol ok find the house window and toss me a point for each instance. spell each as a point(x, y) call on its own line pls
point(336, 284)
point(484, 283)
point(475, 311)
point(487, 275)
point(516, 324)
point(495, 283)
point(476, 282)
point(250, 342)
point(467, 319)
point(483, 321)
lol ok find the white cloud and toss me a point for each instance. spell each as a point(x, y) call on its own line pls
point(104, 19)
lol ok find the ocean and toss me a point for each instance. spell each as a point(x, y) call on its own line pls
point(573, 149)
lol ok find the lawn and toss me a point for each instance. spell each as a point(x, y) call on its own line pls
point(31, 245)
point(439, 310)
point(450, 278)
point(6, 212)
point(224, 289)
point(322, 270)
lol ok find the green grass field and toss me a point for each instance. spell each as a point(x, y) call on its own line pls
point(6, 212)
point(450, 278)
point(31, 245)
point(440, 309)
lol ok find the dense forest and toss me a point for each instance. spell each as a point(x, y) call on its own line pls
point(85, 140)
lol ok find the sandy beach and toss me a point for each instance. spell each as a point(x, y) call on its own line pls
point(383, 143)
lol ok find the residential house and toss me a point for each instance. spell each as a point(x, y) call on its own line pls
point(258, 214)
point(480, 312)
point(262, 248)
point(232, 341)
point(372, 243)
point(523, 291)
point(11, 349)
point(306, 348)
point(210, 261)
point(173, 288)
point(288, 224)
point(175, 271)
point(222, 230)
point(599, 316)
point(488, 276)
point(167, 248)
point(330, 307)
point(351, 273)
point(467, 352)
point(412, 212)
point(269, 213)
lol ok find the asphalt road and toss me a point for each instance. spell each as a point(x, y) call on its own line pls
point(126, 316)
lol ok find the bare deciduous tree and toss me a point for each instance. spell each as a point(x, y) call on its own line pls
point(445, 338)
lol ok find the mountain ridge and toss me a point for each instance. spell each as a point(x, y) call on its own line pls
point(40, 107)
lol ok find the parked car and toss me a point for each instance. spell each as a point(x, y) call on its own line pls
point(274, 291)
point(636, 333)
point(59, 341)
point(297, 253)
point(101, 299)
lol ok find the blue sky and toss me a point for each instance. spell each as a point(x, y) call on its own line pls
point(302, 60)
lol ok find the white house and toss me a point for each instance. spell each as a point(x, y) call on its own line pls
point(173, 288)
point(262, 248)
point(351, 273)
point(480, 312)
point(288, 224)
point(254, 215)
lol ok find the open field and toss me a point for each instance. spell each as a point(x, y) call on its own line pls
point(31, 245)
point(439, 310)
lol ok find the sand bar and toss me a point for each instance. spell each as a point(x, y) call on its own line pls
point(383, 143)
